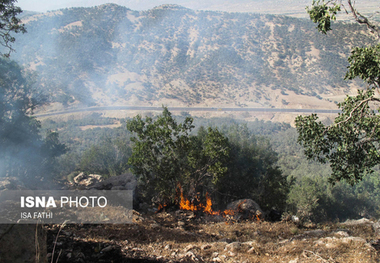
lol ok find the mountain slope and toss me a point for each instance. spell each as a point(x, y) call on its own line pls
point(176, 56)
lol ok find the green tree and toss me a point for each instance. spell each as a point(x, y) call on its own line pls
point(23, 151)
point(252, 171)
point(209, 153)
point(108, 158)
point(165, 154)
point(9, 23)
point(351, 143)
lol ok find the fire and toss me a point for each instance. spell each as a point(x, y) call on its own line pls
point(186, 204)
point(196, 205)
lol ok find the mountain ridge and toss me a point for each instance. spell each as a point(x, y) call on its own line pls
point(112, 55)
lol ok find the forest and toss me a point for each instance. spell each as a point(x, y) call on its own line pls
point(229, 159)
point(284, 170)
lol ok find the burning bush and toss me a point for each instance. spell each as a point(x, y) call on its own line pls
point(233, 166)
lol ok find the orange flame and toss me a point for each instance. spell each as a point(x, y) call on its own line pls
point(186, 204)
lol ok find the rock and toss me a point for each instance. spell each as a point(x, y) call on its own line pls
point(22, 243)
point(315, 233)
point(191, 256)
point(325, 241)
point(190, 247)
point(352, 222)
point(348, 240)
point(246, 209)
point(168, 247)
point(125, 181)
point(295, 219)
point(155, 225)
point(87, 181)
point(216, 259)
point(106, 249)
point(79, 177)
point(205, 246)
point(333, 242)
point(233, 247)
point(376, 229)
point(340, 234)
point(249, 243)
point(252, 250)
point(231, 254)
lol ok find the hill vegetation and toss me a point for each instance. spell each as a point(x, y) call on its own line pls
point(105, 150)
point(110, 54)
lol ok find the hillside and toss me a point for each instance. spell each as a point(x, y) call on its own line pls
point(111, 55)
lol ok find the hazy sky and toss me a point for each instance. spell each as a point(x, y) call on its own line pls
point(45, 5)
point(220, 5)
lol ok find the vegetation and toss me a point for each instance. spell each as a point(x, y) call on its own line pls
point(24, 153)
point(258, 151)
point(164, 155)
point(351, 144)
point(183, 55)
point(9, 23)
point(227, 158)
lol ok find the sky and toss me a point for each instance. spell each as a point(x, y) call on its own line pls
point(295, 8)
point(260, 6)
point(48, 5)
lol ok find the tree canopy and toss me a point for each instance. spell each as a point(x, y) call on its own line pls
point(9, 23)
point(227, 163)
point(165, 155)
point(351, 144)
point(24, 153)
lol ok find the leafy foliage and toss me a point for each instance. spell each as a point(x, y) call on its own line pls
point(109, 158)
point(9, 22)
point(164, 155)
point(365, 64)
point(350, 145)
point(302, 188)
point(23, 152)
point(252, 171)
point(322, 14)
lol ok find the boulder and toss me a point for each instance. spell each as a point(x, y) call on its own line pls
point(22, 243)
point(246, 209)
point(376, 229)
point(125, 181)
point(87, 180)
point(79, 177)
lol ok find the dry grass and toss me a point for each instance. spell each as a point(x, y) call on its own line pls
point(169, 236)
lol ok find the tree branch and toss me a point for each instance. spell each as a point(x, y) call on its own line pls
point(352, 112)
point(364, 20)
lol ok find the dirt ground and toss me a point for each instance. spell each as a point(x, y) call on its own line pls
point(182, 236)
